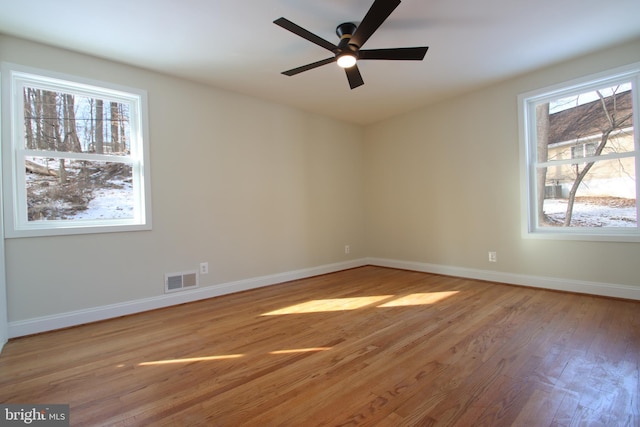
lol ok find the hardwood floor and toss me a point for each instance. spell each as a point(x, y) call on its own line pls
point(368, 346)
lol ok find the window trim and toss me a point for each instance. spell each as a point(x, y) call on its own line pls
point(12, 77)
point(528, 162)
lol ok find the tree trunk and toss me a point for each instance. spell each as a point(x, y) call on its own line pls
point(542, 130)
point(581, 174)
point(30, 142)
point(51, 125)
point(115, 127)
point(123, 134)
point(39, 169)
point(71, 140)
point(39, 113)
point(62, 172)
point(99, 140)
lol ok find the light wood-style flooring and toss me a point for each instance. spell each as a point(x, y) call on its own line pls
point(364, 347)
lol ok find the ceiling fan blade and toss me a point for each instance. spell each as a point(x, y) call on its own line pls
point(377, 14)
point(399, 54)
point(308, 67)
point(354, 76)
point(305, 34)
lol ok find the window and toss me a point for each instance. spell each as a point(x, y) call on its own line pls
point(75, 158)
point(580, 154)
point(583, 150)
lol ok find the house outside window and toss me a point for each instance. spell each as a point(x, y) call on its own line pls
point(579, 157)
point(75, 155)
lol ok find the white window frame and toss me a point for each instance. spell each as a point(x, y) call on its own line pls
point(16, 223)
point(528, 155)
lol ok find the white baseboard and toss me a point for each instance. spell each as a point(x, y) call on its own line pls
point(567, 285)
point(79, 317)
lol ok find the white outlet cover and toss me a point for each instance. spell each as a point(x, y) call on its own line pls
point(204, 268)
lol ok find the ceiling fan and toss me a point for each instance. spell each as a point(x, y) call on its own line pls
point(348, 51)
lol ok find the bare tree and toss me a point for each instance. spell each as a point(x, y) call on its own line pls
point(614, 121)
point(34, 119)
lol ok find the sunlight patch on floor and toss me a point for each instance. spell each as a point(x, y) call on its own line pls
point(325, 305)
point(228, 356)
point(300, 350)
point(191, 359)
point(343, 304)
point(419, 299)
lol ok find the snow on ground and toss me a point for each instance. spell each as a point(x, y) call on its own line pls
point(109, 203)
point(113, 201)
point(591, 215)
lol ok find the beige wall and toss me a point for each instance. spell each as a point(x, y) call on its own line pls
point(251, 187)
point(443, 186)
point(256, 188)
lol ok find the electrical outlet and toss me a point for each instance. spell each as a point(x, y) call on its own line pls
point(347, 249)
point(493, 257)
point(204, 268)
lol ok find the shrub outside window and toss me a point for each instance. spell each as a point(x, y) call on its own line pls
point(75, 157)
point(580, 157)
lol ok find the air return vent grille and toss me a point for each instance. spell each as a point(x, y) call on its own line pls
point(174, 282)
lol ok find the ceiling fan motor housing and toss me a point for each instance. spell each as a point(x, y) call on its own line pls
point(347, 28)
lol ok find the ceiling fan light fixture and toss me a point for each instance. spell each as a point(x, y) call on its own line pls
point(346, 61)
point(352, 37)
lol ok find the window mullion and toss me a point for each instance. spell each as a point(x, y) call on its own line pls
point(580, 160)
point(79, 156)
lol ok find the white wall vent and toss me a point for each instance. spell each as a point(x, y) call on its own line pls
point(174, 282)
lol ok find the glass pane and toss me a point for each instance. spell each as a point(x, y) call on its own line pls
point(58, 121)
point(64, 189)
point(605, 194)
point(592, 123)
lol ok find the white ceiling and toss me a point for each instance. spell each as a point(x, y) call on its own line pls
point(233, 44)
